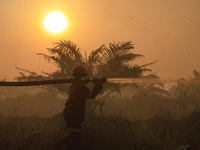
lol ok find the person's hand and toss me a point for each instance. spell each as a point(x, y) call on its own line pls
point(103, 80)
point(96, 81)
point(99, 81)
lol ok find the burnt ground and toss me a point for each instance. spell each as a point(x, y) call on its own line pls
point(115, 132)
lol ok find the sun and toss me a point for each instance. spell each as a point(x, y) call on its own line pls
point(55, 22)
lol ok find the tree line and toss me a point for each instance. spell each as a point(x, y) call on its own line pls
point(113, 61)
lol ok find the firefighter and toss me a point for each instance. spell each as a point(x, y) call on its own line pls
point(74, 111)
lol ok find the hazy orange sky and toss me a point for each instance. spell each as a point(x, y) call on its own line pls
point(163, 30)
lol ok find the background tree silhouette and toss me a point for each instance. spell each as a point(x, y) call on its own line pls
point(115, 61)
point(112, 61)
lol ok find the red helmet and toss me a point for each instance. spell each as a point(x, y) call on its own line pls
point(79, 69)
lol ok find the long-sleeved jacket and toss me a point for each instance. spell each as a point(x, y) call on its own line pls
point(76, 102)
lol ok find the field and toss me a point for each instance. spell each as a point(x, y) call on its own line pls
point(115, 132)
point(147, 119)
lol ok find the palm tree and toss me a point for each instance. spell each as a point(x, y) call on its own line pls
point(64, 55)
point(115, 61)
point(112, 61)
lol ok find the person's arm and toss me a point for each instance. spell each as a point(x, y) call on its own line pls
point(93, 93)
point(97, 88)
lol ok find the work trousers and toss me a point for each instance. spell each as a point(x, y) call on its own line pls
point(75, 134)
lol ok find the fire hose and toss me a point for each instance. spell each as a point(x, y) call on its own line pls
point(103, 79)
point(56, 81)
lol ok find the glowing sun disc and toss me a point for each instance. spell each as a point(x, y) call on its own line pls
point(55, 22)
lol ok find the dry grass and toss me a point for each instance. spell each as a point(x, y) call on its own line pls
point(108, 133)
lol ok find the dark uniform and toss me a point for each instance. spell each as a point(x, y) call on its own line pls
point(74, 111)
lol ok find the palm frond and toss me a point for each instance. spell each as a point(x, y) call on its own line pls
point(30, 72)
point(94, 56)
point(46, 57)
point(127, 57)
point(127, 45)
point(148, 64)
point(112, 48)
point(196, 74)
